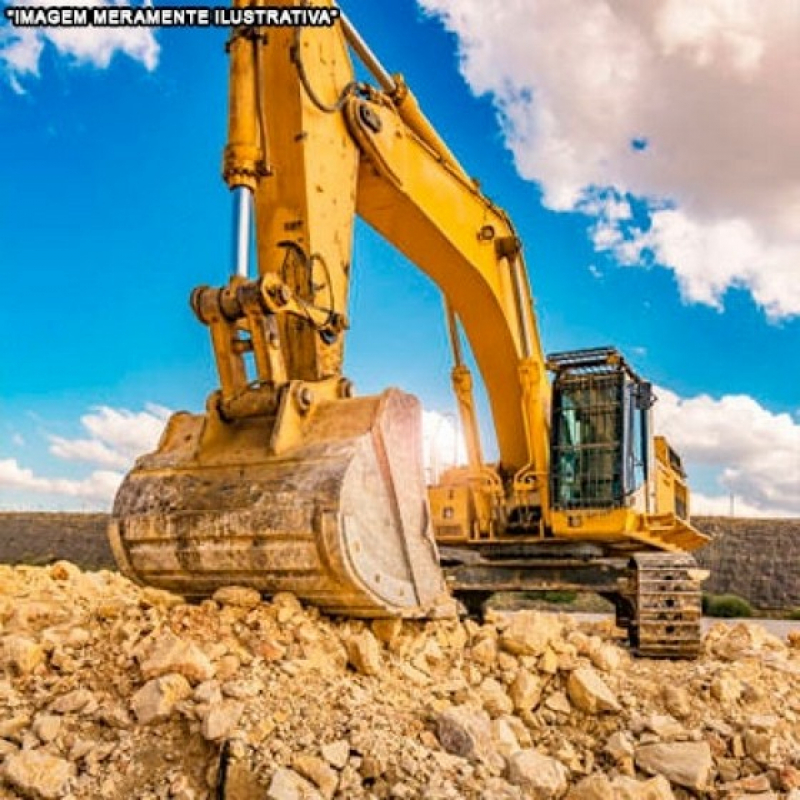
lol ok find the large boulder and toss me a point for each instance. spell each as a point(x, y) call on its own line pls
point(525, 691)
point(37, 774)
point(364, 653)
point(172, 654)
point(541, 777)
point(157, 699)
point(530, 632)
point(589, 693)
point(466, 731)
point(683, 763)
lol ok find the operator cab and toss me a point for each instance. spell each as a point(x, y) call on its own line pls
point(599, 436)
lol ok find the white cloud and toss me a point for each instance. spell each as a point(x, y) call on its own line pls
point(687, 109)
point(726, 505)
point(99, 487)
point(595, 271)
point(442, 443)
point(116, 438)
point(21, 48)
point(755, 452)
point(90, 450)
point(709, 258)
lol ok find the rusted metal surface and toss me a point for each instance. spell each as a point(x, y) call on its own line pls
point(340, 520)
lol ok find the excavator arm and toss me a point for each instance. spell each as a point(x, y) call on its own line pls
point(326, 149)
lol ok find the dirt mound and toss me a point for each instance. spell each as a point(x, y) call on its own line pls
point(113, 691)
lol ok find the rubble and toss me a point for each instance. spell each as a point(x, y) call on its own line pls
point(318, 772)
point(46, 727)
point(336, 753)
point(221, 720)
point(171, 654)
point(21, 654)
point(619, 745)
point(239, 596)
point(676, 701)
point(525, 691)
point(111, 690)
point(363, 653)
point(288, 785)
point(157, 699)
point(595, 787)
point(530, 632)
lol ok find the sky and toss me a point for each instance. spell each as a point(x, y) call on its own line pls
point(647, 153)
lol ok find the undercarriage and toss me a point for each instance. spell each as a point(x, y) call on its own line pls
point(656, 596)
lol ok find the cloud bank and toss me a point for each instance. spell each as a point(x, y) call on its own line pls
point(755, 453)
point(21, 49)
point(672, 124)
point(115, 437)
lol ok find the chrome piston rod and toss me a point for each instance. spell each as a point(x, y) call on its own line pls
point(242, 215)
point(368, 58)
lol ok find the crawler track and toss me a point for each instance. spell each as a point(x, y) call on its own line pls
point(668, 606)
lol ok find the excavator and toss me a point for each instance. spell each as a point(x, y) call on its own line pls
point(291, 482)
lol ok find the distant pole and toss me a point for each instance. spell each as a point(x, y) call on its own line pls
point(732, 496)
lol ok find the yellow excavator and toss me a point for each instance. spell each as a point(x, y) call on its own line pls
point(290, 482)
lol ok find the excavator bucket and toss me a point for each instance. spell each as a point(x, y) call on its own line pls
point(339, 518)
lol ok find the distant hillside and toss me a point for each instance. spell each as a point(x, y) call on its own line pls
point(41, 538)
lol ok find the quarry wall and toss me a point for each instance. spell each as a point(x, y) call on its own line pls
point(758, 559)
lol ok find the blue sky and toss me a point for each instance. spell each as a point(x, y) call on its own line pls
point(112, 210)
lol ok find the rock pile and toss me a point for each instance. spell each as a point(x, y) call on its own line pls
point(108, 690)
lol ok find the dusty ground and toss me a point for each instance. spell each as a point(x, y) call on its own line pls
point(112, 691)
